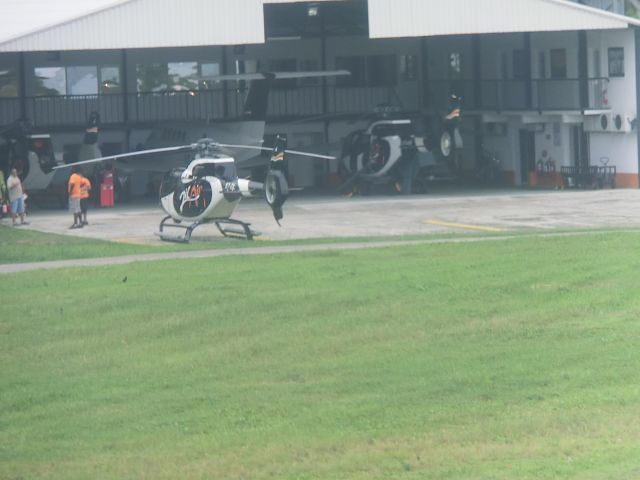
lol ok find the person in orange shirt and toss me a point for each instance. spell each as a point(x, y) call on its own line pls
point(74, 187)
point(85, 189)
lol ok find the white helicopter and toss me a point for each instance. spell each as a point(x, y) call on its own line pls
point(208, 190)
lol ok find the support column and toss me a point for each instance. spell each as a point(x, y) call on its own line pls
point(636, 32)
point(424, 63)
point(476, 49)
point(583, 71)
point(225, 100)
point(124, 81)
point(528, 76)
point(22, 86)
point(125, 86)
point(323, 66)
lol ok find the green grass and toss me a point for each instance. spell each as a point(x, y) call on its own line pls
point(496, 360)
point(21, 245)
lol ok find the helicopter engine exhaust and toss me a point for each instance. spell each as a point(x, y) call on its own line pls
point(276, 188)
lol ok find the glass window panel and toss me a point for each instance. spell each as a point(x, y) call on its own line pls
point(309, 65)
point(382, 70)
point(616, 62)
point(152, 77)
point(82, 80)
point(408, 67)
point(284, 65)
point(50, 81)
point(558, 61)
point(183, 76)
point(455, 66)
point(8, 82)
point(355, 65)
point(209, 70)
point(110, 80)
point(519, 64)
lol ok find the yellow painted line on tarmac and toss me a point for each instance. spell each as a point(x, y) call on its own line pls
point(463, 226)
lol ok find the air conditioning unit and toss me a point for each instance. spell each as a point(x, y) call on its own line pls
point(599, 123)
point(622, 123)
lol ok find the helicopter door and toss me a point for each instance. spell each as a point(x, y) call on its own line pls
point(171, 182)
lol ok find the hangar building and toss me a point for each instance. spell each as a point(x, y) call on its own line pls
point(542, 81)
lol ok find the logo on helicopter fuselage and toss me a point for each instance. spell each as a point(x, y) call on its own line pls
point(193, 198)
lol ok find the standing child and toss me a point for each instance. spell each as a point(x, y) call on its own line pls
point(74, 187)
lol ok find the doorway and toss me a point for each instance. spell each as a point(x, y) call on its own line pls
point(579, 147)
point(527, 154)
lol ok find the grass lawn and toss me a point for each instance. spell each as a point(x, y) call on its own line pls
point(22, 245)
point(515, 359)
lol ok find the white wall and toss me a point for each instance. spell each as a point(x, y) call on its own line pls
point(620, 148)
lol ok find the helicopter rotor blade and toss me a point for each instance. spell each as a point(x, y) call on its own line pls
point(267, 149)
point(182, 148)
point(308, 154)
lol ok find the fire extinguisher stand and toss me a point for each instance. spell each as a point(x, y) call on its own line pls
point(106, 191)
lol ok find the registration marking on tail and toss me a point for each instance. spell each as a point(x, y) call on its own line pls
point(463, 226)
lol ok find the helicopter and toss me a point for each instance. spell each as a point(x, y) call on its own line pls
point(31, 154)
point(396, 149)
point(208, 190)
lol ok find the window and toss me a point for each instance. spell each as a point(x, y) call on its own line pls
point(8, 83)
point(182, 76)
point(542, 65)
point(153, 77)
point(504, 66)
point(382, 70)
point(82, 80)
point(309, 66)
point(284, 65)
point(616, 62)
point(209, 70)
point(408, 67)
point(455, 66)
point(355, 65)
point(558, 58)
point(519, 65)
point(50, 81)
point(110, 80)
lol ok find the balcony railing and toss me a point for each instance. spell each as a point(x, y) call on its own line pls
point(219, 104)
point(510, 95)
point(304, 101)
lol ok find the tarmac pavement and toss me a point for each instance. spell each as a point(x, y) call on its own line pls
point(321, 216)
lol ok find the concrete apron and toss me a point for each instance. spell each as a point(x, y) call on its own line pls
point(324, 216)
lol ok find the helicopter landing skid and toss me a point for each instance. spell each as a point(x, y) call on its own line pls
point(243, 232)
point(188, 230)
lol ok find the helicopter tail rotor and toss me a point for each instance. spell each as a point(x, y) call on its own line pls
point(276, 188)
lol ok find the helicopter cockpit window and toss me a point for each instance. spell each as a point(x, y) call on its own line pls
point(225, 171)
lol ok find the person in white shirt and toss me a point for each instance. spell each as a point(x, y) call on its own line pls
point(16, 197)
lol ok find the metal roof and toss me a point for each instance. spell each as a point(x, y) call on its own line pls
point(43, 25)
point(22, 17)
point(422, 18)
